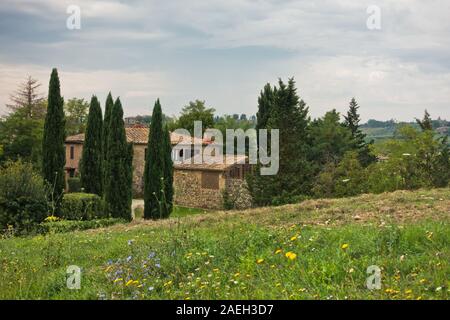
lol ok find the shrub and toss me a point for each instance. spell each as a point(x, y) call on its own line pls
point(74, 184)
point(82, 206)
point(23, 199)
point(68, 225)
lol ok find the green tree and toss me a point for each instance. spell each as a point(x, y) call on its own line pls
point(196, 111)
point(53, 150)
point(265, 103)
point(330, 139)
point(426, 123)
point(156, 169)
point(76, 115)
point(105, 135)
point(118, 187)
point(352, 120)
point(21, 131)
point(168, 172)
point(289, 114)
point(91, 160)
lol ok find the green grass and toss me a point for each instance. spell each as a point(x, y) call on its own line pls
point(236, 255)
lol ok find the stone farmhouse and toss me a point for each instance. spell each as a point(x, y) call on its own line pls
point(195, 185)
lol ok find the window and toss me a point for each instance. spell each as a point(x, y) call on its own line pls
point(181, 154)
point(72, 156)
point(210, 180)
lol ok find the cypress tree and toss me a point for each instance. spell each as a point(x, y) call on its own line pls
point(265, 103)
point(53, 149)
point(168, 171)
point(91, 160)
point(118, 187)
point(105, 135)
point(154, 184)
point(352, 120)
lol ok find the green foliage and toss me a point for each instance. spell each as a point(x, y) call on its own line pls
point(76, 111)
point(23, 199)
point(330, 139)
point(196, 111)
point(158, 172)
point(82, 206)
point(21, 130)
point(74, 184)
point(91, 161)
point(289, 114)
point(118, 183)
point(342, 180)
point(65, 226)
point(426, 123)
point(352, 120)
point(53, 149)
point(265, 104)
point(105, 136)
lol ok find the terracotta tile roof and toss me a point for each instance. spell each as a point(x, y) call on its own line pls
point(139, 135)
point(228, 162)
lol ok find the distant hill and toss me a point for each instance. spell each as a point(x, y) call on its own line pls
point(381, 130)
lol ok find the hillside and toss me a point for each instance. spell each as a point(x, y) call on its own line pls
point(319, 249)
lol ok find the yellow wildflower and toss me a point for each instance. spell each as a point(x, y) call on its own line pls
point(294, 237)
point(259, 261)
point(290, 255)
point(278, 251)
point(345, 246)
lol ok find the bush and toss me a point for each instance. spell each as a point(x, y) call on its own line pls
point(68, 226)
point(74, 185)
point(23, 199)
point(82, 206)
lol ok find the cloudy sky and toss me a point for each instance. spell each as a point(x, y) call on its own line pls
point(225, 51)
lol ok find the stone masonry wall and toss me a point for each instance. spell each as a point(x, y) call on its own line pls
point(189, 191)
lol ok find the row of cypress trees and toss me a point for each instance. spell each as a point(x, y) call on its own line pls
point(106, 162)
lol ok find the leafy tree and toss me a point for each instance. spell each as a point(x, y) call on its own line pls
point(426, 123)
point(352, 120)
point(105, 135)
point(157, 172)
point(330, 139)
point(91, 160)
point(21, 131)
point(53, 149)
point(76, 115)
point(118, 187)
point(196, 111)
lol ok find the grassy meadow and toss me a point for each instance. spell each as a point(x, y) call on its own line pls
point(318, 249)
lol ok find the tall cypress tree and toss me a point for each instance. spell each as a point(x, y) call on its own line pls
point(91, 160)
point(53, 158)
point(168, 171)
point(118, 187)
point(265, 103)
point(105, 135)
point(154, 184)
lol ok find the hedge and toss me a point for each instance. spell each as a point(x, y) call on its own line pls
point(82, 206)
point(68, 226)
point(74, 184)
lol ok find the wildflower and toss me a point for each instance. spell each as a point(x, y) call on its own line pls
point(290, 255)
point(118, 279)
point(345, 246)
point(157, 265)
point(129, 282)
point(168, 283)
point(150, 288)
point(259, 261)
point(216, 270)
point(237, 274)
point(278, 251)
point(130, 242)
point(129, 258)
point(409, 291)
point(345, 180)
point(422, 281)
point(294, 237)
point(151, 255)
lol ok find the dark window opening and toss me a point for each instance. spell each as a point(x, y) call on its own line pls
point(72, 153)
point(210, 180)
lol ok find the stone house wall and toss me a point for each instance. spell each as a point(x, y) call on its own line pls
point(238, 193)
point(189, 192)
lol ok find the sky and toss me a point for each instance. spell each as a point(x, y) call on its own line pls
point(225, 51)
